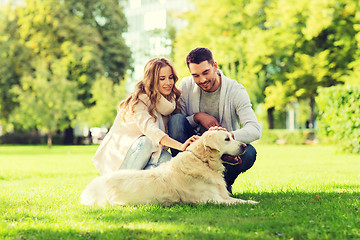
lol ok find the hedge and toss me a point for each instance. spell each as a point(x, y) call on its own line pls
point(29, 138)
point(284, 136)
point(339, 117)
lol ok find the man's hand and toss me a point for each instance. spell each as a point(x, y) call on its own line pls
point(206, 120)
point(217, 129)
point(221, 129)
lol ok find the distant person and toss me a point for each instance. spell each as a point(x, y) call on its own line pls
point(210, 99)
point(138, 138)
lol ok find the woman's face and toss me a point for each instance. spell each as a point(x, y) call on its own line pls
point(166, 80)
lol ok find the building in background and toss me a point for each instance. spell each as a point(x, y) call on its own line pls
point(12, 2)
point(147, 36)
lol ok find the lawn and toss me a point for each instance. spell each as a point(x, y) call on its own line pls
point(305, 192)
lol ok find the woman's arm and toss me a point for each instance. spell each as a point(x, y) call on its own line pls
point(172, 143)
point(147, 125)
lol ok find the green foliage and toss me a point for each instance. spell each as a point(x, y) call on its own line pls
point(81, 38)
point(52, 32)
point(106, 95)
point(47, 100)
point(303, 194)
point(15, 59)
point(353, 77)
point(320, 46)
point(269, 137)
point(339, 117)
point(281, 51)
point(282, 136)
point(108, 23)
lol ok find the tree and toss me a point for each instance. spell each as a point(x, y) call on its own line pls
point(14, 61)
point(281, 51)
point(235, 32)
point(109, 21)
point(47, 100)
point(107, 96)
point(85, 34)
point(322, 46)
point(84, 37)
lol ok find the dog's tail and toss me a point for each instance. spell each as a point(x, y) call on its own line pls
point(95, 193)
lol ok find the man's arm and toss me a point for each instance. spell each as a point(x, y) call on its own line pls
point(250, 127)
point(206, 120)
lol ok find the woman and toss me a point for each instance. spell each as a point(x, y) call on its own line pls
point(138, 139)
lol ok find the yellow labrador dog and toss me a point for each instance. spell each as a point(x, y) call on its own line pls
point(193, 176)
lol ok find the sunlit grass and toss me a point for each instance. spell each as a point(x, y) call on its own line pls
point(305, 192)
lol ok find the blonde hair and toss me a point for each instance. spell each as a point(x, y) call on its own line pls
point(149, 85)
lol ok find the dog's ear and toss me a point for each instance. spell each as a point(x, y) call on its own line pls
point(212, 143)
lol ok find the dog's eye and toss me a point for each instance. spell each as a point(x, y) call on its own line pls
point(227, 139)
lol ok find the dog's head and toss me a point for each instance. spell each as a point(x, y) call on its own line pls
point(218, 146)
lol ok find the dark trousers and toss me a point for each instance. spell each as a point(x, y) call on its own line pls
point(180, 129)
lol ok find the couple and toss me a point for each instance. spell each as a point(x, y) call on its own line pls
point(158, 116)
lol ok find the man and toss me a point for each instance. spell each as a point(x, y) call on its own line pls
point(210, 99)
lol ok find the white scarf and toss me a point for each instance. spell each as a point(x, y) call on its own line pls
point(163, 106)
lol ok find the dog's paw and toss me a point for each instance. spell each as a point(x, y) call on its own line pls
point(252, 202)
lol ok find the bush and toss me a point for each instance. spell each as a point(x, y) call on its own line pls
point(29, 138)
point(269, 137)
point(295, 137)
point(284, 136)
point(339, 117)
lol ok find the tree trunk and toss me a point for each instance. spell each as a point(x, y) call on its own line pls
point(270, 117)
point(49, 139)
point(312, 114)
point(69, 136)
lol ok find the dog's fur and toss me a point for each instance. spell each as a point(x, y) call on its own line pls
point(193, 176)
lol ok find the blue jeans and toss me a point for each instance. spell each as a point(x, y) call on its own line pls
point(139, 155)
point(180, 129)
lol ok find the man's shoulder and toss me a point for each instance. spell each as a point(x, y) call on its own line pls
point(187, 79)
point(235, 91)
point(186, 82)
point(232, 84)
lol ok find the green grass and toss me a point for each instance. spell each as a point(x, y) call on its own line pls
point(305, 192)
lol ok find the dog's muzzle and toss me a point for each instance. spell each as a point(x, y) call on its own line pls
point(234, 160)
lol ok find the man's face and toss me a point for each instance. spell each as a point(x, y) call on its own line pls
point(205, 75)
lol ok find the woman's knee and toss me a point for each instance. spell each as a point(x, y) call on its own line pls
point(164, 157)
point(139, 154)
point(144, 143)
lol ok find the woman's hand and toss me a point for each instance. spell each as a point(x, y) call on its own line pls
point(189, 141)
point(172, 143)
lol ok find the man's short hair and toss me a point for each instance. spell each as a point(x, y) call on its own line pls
point(199, 55)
